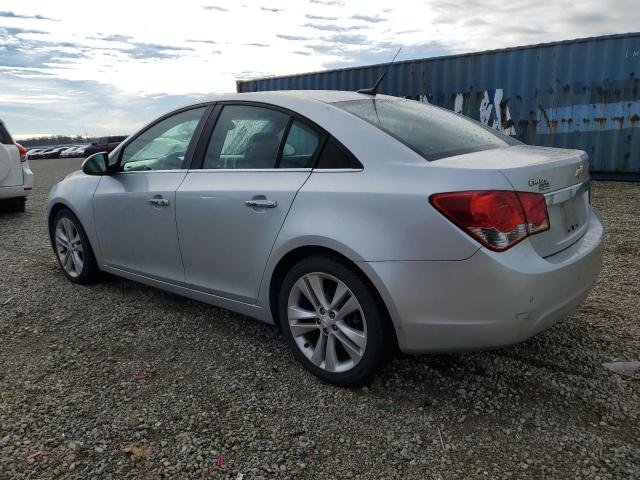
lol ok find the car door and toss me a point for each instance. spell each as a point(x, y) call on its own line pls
point(229, 212)
point(134, 208)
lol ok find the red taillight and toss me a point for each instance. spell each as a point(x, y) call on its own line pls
point(497, 219)
point(23, 152)
point(535, 211)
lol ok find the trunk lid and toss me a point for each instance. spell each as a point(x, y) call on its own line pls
point(561, 175)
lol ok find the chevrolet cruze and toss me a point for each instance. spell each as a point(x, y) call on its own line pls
point(359, 224)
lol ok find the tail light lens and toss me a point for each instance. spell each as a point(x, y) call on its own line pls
point(23, 152)
point(497, 219)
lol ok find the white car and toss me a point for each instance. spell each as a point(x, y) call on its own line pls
point(68, 152)
point(34, 151)
point(73, 152)
point(16, 178)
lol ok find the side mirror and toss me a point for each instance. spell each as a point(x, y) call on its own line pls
point(96, 164)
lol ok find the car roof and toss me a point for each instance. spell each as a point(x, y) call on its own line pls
point(324, 96)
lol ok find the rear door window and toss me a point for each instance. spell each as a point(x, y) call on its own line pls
point(300, 146)
point(430, 131)
point(246, 137)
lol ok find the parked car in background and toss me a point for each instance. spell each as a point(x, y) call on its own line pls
point(53, 153)
point(67, 151)
point(358, 223)
point(34, 151)
point(16, 178)
point(104, 144)
point(73, 152)
point(40, 154)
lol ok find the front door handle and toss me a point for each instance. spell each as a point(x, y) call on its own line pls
point(261, 203)
point(159, 202)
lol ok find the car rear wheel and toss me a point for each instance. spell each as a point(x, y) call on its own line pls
point(333, 322)
point(72, 249)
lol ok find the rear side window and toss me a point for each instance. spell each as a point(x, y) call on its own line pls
point(430, 131)
point(299, 147)
point(334, 156)
point(5, 138)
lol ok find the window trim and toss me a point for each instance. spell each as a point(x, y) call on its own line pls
point(283, 141)
point(194, 158)
point(188, 157)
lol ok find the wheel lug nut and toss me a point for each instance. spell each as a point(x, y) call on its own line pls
point(334, 327)
point(332, 314)
point(322, 311)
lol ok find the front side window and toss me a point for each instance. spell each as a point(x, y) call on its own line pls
point(300, 146)
point(246, 137)
point(430, 131)
point(164, 145)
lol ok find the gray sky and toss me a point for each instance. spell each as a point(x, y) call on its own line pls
point(89, 67)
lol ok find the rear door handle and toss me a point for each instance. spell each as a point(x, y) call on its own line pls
point(260, 203)
point(159, 202)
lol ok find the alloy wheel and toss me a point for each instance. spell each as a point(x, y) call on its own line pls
point(69, 247)
point(327, 322)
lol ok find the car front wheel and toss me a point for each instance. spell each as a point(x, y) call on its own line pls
point(72, 248)
point(333, 322)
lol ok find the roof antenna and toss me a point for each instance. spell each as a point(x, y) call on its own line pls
point(373, 90)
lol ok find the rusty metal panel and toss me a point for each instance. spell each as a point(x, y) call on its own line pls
point(581, 93)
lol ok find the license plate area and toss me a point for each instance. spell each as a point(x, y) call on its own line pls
point(568, 218)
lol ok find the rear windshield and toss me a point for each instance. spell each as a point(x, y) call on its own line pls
point(5, 138)
point(432, 132)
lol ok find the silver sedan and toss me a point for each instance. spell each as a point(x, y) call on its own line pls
point(359, 224)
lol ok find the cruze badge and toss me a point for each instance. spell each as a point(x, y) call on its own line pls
point(542, 182)
point(579, 171)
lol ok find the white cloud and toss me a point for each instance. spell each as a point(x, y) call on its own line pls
point(134, 51)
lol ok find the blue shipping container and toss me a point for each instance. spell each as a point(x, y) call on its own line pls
point(581, 93)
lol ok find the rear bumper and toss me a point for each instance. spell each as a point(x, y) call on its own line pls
point(23, 190)
point(490, 299)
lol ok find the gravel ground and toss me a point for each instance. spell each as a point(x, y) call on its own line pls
point(119, 380)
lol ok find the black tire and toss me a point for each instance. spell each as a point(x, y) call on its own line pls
point(90, 272)
point(13, 205)
point(380, 339)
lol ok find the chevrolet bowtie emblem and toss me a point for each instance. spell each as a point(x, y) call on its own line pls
point(579, 171)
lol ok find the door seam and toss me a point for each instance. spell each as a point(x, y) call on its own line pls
point(175, 220)
point(278, 235)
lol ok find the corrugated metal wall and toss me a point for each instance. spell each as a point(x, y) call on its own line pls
point(576, 94)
